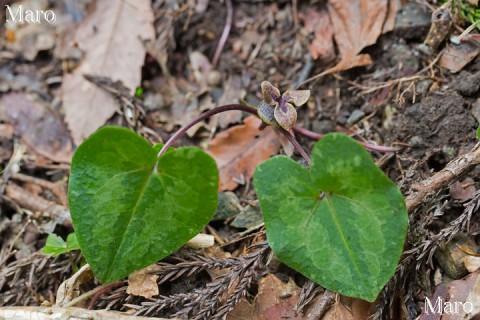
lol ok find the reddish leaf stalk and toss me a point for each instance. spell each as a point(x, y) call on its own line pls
point(296, 145)
point(317, 136)
point(221, 109)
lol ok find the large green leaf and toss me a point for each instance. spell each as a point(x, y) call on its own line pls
point(342, 223)
point(129, 212)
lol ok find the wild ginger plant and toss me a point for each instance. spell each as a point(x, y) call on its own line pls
point(341, 222)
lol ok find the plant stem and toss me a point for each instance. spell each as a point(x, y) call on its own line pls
point(297, 145)
point(201, 117)
point(221, 109)
point(317, 136)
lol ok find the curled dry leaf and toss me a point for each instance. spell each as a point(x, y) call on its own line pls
point(70, 288)
point(111, 39)
point(142, 283)
point(240, 149)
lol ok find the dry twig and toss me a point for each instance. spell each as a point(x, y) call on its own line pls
point(45, 313)
point(452, 171)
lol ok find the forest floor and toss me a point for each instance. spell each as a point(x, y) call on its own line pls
point(377, 71)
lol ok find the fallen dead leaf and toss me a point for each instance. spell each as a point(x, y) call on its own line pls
point(356, 25)
point(463, 190)
point(318, 22)
point(232, 94)
point(456, 292)
point(243, 311)
point(456, 57)
point(111, 39)
point(393, 7)
point(143, 284)
point(70, 288)
point(40, 127)
point(276, 299)
point(240, 149)
point(339, 311)
point(341, 307)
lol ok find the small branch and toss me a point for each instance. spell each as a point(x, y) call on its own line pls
point(453, 170)
point(225, 33)
point(317, 136)
point(46, 313)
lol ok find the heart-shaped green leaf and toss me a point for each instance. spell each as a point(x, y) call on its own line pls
point(342, 223)
point(127, 210)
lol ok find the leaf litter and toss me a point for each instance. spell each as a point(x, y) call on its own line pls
point(271, 41)
point(102, 37)
point(240, 149)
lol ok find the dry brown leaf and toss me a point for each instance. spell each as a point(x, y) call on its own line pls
point(455, 293)
point(240, 149)
point(393, 7)
point(111, 39)
point(463, 190)
point(356, 25)
point(243, 311)
point(318, 22)
point(232, 94)
point(456, 57)
point(276, 299)
point(143, 284)
point(70, 288)
point(339, 311)
point(40, 127)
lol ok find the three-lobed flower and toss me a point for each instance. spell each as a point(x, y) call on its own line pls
point(277, 110)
